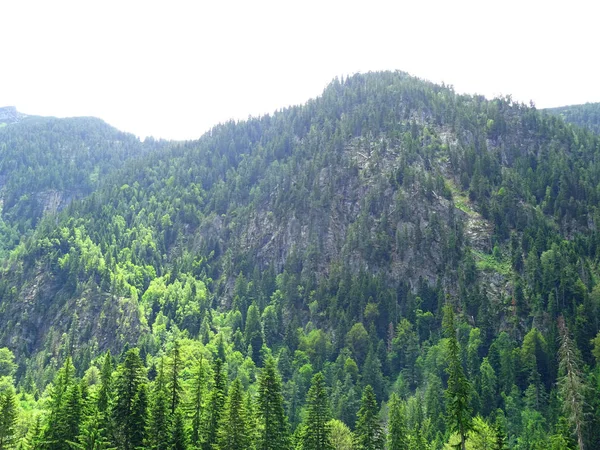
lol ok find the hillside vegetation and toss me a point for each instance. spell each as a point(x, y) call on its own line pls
point(389, 265)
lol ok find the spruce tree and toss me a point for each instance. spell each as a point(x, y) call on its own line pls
point(105, 397)
point(571, 383)
point(59, 424)
point(368, 433)
point(253, 333)
point(397, 434)
point(175, 388)
point(233, 431)
point(178, 434)
point(275, 434)
point(8, 418)
point(158, 434)
point(129, 412)
point(91, 435)
point(105, 392)
point(199, 392)
point(457, 393)
point(216, 403)
point(316, 435)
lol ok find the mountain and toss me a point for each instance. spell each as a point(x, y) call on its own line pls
point(45, 163)
point(585, 116)
point(9, 115)
point(390, 233)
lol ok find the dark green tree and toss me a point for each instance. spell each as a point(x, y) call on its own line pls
point(368, 434)
point(572, 385)
point(105, 392)
point(397, 433)
point(129, 412)
point(233, 431)
point(457, 393)
point(175, 387)
point(197, 408)
point(179, 438)
point(316, 434)
point(158, 434)
point(8, 418)
point(274, 426)
point(216, 404)
point(253, 333)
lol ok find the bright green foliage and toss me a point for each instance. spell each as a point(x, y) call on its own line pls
point(316, 434)
point(341, 437)
point(397, 438)
point(368, 433)
point(457, 393)
point(234, 432)
point(7, 363)
point(482, 436)
point(271, 413)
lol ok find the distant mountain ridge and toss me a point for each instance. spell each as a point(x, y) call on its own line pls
point(586, 115)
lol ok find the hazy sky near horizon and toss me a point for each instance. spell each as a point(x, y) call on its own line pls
point(174, 69)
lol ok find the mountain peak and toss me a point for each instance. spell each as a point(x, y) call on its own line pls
point(9, 114)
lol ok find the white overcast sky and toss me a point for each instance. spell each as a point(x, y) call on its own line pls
point(173, 69)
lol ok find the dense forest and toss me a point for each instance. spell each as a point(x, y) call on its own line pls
point(390, 266)
point(586, 116)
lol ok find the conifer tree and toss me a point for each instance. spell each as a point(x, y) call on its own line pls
point(129, 412)
point(216, 403)
point(158, 434)
point(368, 433)
point(397, 435)
point(199, 392)
point(178, 435)
point(316, 435)
point(35, 435)
point(457, 393)
point(91, 436)
point(175, 388)
point(8, 418)
point(274, 427)
point(571, 383)
point(73, 412)
point(139, 417)
point(58, 425)
point(105, 396)
point(253, 333)
point(233, 431)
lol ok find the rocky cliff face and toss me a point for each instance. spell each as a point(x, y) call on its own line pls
point(9, 114)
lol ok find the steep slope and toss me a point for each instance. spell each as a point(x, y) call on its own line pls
point(381, 200)
point(45, 163)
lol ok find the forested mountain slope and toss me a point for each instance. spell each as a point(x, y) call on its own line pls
point(585, 116)
point(46, 162)
point(335, 236)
